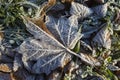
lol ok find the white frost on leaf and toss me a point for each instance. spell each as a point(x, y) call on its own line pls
point(43, 53)
point(48, 53)
point(101, 10)
point(102, 38)
point(65, 30)
point(80, 10)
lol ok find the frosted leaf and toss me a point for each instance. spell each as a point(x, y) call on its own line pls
point(65, 30)
point(80, 10)
point(102, 38)
point(43, 53)
point(101, 10)
point(48, 53)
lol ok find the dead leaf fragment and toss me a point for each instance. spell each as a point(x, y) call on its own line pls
point(46, 6)
point(6, 67)
point(51, 2)
point(80, 10)
point(101, 10)
point(44, 53)
point(49, 53)
point(102, 38)
point(39, 22)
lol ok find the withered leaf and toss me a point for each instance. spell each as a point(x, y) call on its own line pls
point(87, 31)
point(47, 51)
point(44, 53)
point(101, 10)
point(51, 2)
point(80, 10)
point(39, 22)
point(102, 38)
point(66, 30)
point(45, 7)
point(6, 67)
